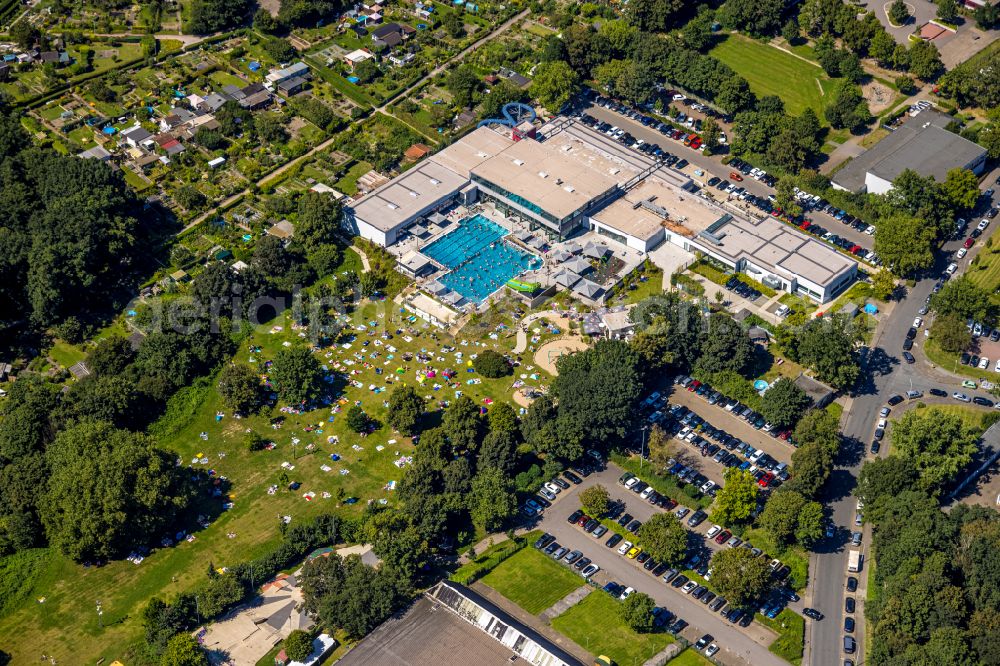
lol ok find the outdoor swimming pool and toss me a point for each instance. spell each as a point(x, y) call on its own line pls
point(480, 262)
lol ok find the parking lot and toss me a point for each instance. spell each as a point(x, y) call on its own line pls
point(712, 166)
point(739, 645)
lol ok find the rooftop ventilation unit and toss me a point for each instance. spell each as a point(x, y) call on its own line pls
point(518, 162)
point(542, 174)
point(435, 181)
point(414, 194)
point(392, 206)
point(614, 171)
point(569, 188)
point(654, 209)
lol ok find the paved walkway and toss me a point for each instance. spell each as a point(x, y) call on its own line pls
point(665, 655)
point(567, 602)
point(364, 258)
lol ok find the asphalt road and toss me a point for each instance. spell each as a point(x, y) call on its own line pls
point(739, 645)
point(713, 165)
point(885, 373)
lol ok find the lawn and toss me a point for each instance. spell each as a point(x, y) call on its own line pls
point(949, 362)
point(689, 657)
point(793, 556)
point(771, 71)
point(595, 626)
point(532, 581)
point(348, 184)
point(985, 272)
point(975, 417)
point(67, 627)
point(791, 629)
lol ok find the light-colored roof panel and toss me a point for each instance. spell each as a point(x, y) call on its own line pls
point(407, 195)
point(472, 150)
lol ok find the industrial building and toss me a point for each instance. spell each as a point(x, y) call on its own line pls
point(921, 144)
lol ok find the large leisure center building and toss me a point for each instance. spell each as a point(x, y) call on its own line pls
point(567, 179)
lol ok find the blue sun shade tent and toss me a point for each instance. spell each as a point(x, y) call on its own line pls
point(871, 309)
point(253, 66)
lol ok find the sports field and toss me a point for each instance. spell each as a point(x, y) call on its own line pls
point(533, 581)
point(771, 71)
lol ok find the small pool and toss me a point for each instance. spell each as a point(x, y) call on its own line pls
point(479, 259)
point(760, 385)
point(353, 79)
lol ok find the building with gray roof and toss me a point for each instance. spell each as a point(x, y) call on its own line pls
point(921, 144)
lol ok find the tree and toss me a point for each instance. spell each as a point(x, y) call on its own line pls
point(882, 48)
point(463, 424)
point(264, 22)
point(350, 595)
point(780, 517)
point(883, 285)
point(491, 364)
point(758, 17)
point(905, 84)
point(725, 347)
point(452, 22)
point(356, 419)
point(961, 189)
point(950, 333)
point(827, 345)
point(925, 60)
point(298, 645)
point(812, 463)
point(809, 529)
point(947, 10)
point(499, 450)
point(24, 34)
point(307, 13)
point(502, 418)
point(554, 84)
point(637, 612)
point(987, 16)
point(737, 499)
point(965, 299)
point(183, 650)
point(739, 575)
point(664, 538)
point(597, 390)
point(492, 502)
point(318, 220)
point(735, 95)
point(239, 386)
point(208, 16)
point(405, 409)
point(784, 402)
point(110, 356)
point(109, 490)
point(882, 479)
point(654, 15)
point(595, 500)
point(280, 50)
point(904, 244)
point(710, 135)
point(785, 197)
point(297, 375)
point(898, 12)
point(463, 84)
point(790, 31)
point(940, 445)
point(849, 108)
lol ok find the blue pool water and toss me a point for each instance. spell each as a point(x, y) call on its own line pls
point(479, 260)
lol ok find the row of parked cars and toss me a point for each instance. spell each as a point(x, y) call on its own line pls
point(536, 504)
point(734, 406)
point(574, 559)
point(625, 138)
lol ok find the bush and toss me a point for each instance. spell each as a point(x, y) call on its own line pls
point(357, 420)
point(298, 646)
point(491, 364)
point(254, 442)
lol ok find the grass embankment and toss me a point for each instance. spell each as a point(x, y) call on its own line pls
point(594, 624)
point(532, 580)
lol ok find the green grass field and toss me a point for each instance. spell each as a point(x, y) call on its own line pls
point(791, 629)
point(986, 271)
point(594, 625)
point(532, 581)
point(771, 71)
point(65, 624)
point(971, 416)
point(689, 658)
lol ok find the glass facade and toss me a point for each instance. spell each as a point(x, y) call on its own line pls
point(518, 200)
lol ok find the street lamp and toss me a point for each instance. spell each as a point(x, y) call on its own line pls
point(642, 448)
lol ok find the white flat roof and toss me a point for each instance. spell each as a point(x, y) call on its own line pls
point(559, 177)
point(776, 246)
point(471, 150)
point(407, 195)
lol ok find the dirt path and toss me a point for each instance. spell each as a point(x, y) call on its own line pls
point(522, 335)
